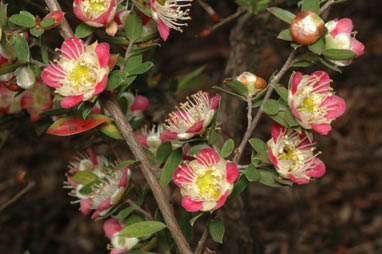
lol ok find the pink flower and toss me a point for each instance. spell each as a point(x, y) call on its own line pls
point(96, 183)
point(97, 13)
point(152, 139)
point(9, 102)
point(169, 15)
point(136, 105)
point(292, 155)
point(313, 102)
point(37, 100)
point(341, 36)
point(112, 228)
point(206, 182)
point(80, 73)
point(141, 103)
point(193, 116)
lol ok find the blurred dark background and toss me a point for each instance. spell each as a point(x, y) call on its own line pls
point(340, 213)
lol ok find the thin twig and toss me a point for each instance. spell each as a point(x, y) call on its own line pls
point(255, 121)
point(136, 207)
point(249, 114)
point(239, 11)
point(38, 63)
point(203, 238)
point(17, 196)
point(326, 5)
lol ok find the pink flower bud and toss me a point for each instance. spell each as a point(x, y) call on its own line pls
point(97, 13)
point(307, 27)
point(141, 103)
point(57, 15)
point(112, 228)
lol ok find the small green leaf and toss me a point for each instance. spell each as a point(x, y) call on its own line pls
point(110, 129)
point(295, 45)
point(285, 35)
point(88, 188)
point(281, 91)
point(115, 80)
point(23, 20)
point(258, 145)
point(164, 237)
point(271, 107)
point(318, 46)
point(140, 229)
point(84, 177)
point(139, 69)
point(280, 118)
point(217, 230)
point(8, 67)
point(171, 164)
point(259, 98)
point(284, 15)
point(20, 47)
point(83, 30)
point(303, 64)
point(124, 213)
point(183, 82)
point(44, 51)
point(132, 62)
point(330, 66)
point(229, 93)
point(227, 148)
point(238, 188)
point(339, 54)
point(125, 164)
point(195, 218)
point(36, 32)
point(267, 177)
point(212, 137)
point(185, 225)
point(133, 26)
point(311, 5)
point(47, 22)
point(290, 119)
point(237, 87)
point(195, 149)
point(164, 150)
point(252, 173)
point(309, 134)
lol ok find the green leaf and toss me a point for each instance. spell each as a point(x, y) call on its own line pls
point(280, 118)
point(318, 46)
point(330, 66)
point(212, 137)
point(140, 229)
point(133, 26)
point(267, 177)
point(164, 237)
point(309, 134)
point(114, 81)
point(284, 15)
point(132, 62)
point(139, 69)
point(27, 13)
point(237, 86)
point(125, 164)
point(259, 98)
point(238, 188)
point(47, 22)
point(20, 47)
point(163, 152)
point(227, 148)
point(271, 107)
point(283, 181)
point(229, 93)
point(3, 15)
point(110, 129)
point(311, 5)
point(185, 225)
point(281, 91)
point(23, 20)
point(83, 30)
point(124, 213)
point(88, 188)
point(195, 149)
point(8, 67)
point(36, 32)
point(303, 64)
point(290, 119)
point(84, 177)
point(295, 45)
point(339, 54)
point(217, 230)
point(285, 35)
point(195, 218)
point(183, 82)
point(143, 8)
point(44, 51)
point(252, 173)
point(171, 164)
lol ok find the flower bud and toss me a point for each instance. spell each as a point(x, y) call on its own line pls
point(57, 16)
point(253, 83)
point(96, 13)
point(25, 77)
point(307, 27)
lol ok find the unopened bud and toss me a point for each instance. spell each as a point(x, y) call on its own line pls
point(25, 77)
point(254, 84)
point(307, 27)
point(57, 15)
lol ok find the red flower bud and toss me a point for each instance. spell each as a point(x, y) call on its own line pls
point(307, 28)
point(57, 15)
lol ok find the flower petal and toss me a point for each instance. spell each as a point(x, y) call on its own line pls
point(232, 172)
point(168, 136)
point(357, 47)
point(72, 48)
point(207, 157)
point(322, 129)
point(106, 204)
point(85, 206)
point(344, 25)
point(191, 205)
point(53, 75)
point(112, 226)
point(103, 52)
point(298, 180)
point(297, 77)
point(142, 140)
point(222, 200)
point(101, 85)
point(319, 170)
point(196, 128)
point(164, 30)
point(141, 103)
point(275, 131)
point(215, 102)
point(336, 106)
point(183, 174)
point(71, 101)
point(271, 157)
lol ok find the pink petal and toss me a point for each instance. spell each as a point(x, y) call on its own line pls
point(336, 106)
point(164, 31)
point(207, 157)
point(53, 75)
point(319, 170)
point(95, 215)
point(107, 16)
point(276, 130)
point(93, 157)
point(168, 136)
point(85, 206)
point(298, 180)
point(71, 101)
point(101, 85)
point(141, 103)
point(295, 81)
point(324, 79)
point(215, 102)
point(357, 47)
point(96, 110)
point(72, 48)
point(222, 200)
point(106, 204)
point(142, 140)
point(26, 100)
point(272, 158)
point(191, 205)
point(322, 129)
point(183, 174)
point(124, 179)
point(343, 26)
point(232, 172)
point(294, 111)
point(103, 52)
point(112, 226)
point(79, 14)
point(118, 251)
point(196, 128)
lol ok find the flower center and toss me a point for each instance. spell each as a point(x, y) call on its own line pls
point(95, 8)
point(288, 153)
point(80, 75)
point(208, 185)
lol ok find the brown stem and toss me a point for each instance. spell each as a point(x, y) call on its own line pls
point(136, 207)
point(203, 238)
point(326, 5)
point(127, 132)
point(255, 121)
point(228, 19)
point(18, 195)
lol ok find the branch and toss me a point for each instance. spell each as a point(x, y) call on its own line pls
point(204, 236)
point(64, 27)
point(18, 195)
point(127, 132)
point(136, 207)
point(255, 121)
point(326, 5)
